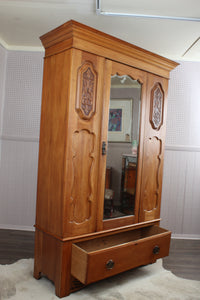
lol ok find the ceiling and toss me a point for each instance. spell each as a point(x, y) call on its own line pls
point(23, 22)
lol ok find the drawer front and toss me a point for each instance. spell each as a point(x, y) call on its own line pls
point(97, 265)
point(126, 257)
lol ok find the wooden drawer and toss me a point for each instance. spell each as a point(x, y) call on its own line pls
point(99, 258)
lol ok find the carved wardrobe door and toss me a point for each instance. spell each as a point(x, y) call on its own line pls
point(113, 69)
point(153, 145)
point(83, 143)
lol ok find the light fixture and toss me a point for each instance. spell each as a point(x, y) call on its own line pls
point(115, 14)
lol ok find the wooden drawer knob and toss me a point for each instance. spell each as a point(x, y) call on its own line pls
point(156, 250)
point(110, 264)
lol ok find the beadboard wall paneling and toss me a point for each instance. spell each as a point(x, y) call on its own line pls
point(3, 59)
point(20, 139)
point(23, 94)
point(181, 181)
point(172, 204)
point(191, 219)
point(181, 193)
point(18, 183)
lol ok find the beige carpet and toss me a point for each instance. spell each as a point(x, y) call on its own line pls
point(150, 282)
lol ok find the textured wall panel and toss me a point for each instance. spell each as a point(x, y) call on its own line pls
point(183, 121)
point(23, 94)
point(19, 152)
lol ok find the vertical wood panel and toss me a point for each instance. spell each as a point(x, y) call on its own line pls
point(53, 136)
point(154, 141)
point(81, 192)
point(83, 143)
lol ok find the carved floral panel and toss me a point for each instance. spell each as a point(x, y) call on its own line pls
point(156, 106)
point(86, 91)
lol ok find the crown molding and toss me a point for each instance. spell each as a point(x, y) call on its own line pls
point(20, 48)
point(73, 34)
point(3, 44)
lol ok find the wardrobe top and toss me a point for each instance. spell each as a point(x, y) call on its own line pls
point(79, 36)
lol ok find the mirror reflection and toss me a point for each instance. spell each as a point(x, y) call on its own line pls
point(122, 147)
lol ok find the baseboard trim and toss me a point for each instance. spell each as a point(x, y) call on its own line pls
point(17, 227)
point(186, 236)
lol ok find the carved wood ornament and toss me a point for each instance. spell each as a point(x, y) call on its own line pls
point(82, 162)
point(153, 147)
point(86, 91)
point(156, 106)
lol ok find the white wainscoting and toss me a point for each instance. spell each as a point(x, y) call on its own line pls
point(18, 182)
point(181, 191)
point(180, 198)
point(20, 102)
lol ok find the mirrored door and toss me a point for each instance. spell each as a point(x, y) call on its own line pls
point(122, 146)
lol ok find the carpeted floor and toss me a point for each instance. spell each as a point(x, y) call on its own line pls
point(150, 282)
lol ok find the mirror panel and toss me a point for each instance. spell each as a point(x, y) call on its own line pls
point(122, 147)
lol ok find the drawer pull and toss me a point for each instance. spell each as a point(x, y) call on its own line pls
point(156, 250)
point(110, 264)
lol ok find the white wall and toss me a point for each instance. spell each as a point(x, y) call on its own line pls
point(181, 182)
point(20, 139)
point(3, 60)
point(20, 101)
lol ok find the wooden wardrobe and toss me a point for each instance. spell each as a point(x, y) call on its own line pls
point(75, 242)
